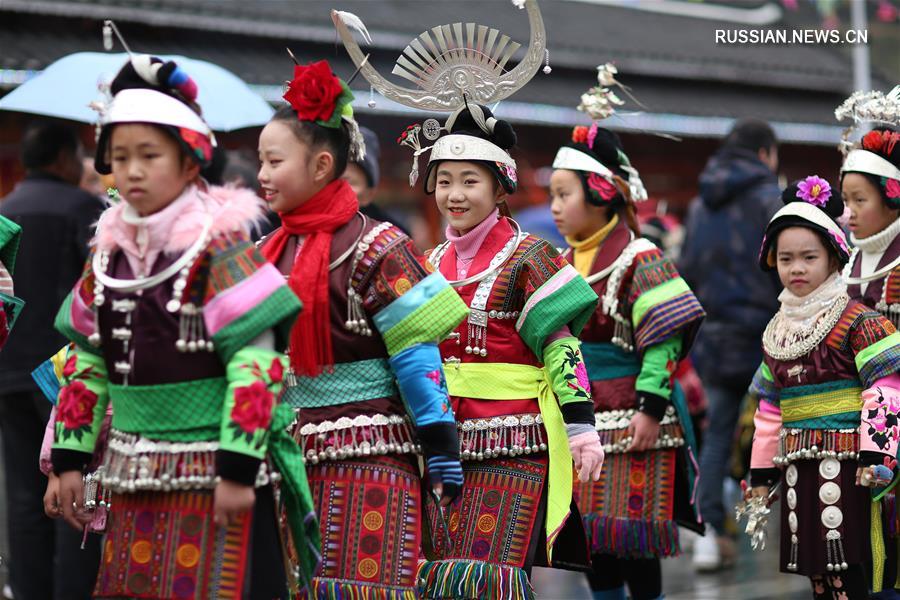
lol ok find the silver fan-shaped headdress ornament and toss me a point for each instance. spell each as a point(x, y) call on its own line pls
point(454, 68)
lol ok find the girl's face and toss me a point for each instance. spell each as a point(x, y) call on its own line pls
point(148, 166)
point(466, 193)
point(290, 172)
point(868, 212)
point(803, 262)
point(573, 216)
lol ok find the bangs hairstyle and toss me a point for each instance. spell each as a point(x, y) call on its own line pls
point(166, 129)
point(835, 261)
point(890, 153)
point(335, 140)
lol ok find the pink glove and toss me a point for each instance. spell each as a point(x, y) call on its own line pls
point(587, 452)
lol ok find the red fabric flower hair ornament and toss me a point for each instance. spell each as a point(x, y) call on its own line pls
point(880, 142)
point(318, 95)
point(602, 186)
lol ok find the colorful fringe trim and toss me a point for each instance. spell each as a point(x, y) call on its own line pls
point(335, 589)
point(473, 579)
point(632, 537)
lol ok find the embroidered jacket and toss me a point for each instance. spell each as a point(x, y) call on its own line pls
point(515, 313)
point(839, 398)
point(645, 324)
point(194, 392)
point(387, 381)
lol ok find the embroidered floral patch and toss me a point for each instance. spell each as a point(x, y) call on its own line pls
point(882, 419)
point(575, 373)
point(253, 404)
point(75, 408)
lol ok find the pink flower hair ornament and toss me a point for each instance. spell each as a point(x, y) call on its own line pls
point(814, 190)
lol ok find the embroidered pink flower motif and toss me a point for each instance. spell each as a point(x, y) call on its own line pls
point(581, 375)
point(434, 376)
point(602, 186)
point(893, 403)
point(76, 406)
point(814, 190)
point(511, 173)
point(252, 408)
point(878, 422)
point(892, 188)
point(841, 241)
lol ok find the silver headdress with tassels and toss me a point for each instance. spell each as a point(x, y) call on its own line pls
point(453, 67)
point(599, 103)
point(867, 107)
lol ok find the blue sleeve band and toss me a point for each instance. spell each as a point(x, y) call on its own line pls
point(45, 378)
point(423, 388)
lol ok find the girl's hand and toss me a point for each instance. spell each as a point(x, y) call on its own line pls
point(874, 476)
point(51, 497)
point(232, 500)
point(644, 431)
point(759, 491)
point(71, 499)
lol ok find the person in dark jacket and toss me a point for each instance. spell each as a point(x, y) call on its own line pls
point(364, 175)
point(738, 195)
point(56, 218)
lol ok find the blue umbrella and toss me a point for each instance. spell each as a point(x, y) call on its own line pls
point(66, 88)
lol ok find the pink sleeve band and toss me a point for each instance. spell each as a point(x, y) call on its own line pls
point(44, 461)
point(768, 407)
point(765, 439)
point(880, 408)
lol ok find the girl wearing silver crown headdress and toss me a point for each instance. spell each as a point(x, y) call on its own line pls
point(515, 374)
point(514, 370)
point(634, 341)
point(827, 424)
point(870, 186)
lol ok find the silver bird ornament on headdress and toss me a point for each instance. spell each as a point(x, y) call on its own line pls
point(452, 63)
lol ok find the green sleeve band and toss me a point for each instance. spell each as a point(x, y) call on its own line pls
point(83, 398)
point(255, 378)
point(566, 371)
point(657, 295)
point(658, 364)
point(864, 356)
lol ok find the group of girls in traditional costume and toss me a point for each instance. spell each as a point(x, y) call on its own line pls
point(643, 327)
point(334, 414)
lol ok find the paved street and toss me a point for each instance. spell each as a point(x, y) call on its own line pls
point(755, 578)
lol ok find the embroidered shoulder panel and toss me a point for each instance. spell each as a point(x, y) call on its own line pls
point(869, 328)
point(839, 338)
point(228, 260)
point(649, 269)
point(892, 283)
point(533, 263)
point(389, 268)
